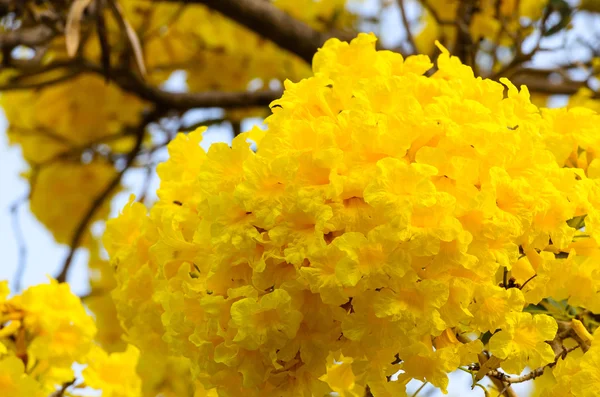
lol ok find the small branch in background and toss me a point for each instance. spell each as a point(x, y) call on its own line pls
point(130, 82)
point(103, 196)
point(236, 126)
point(463, 48)
point(520, 57)
point(539, 81)
point(30, 37)
point(103, 38)
point(38, 84)
point(61, 392)
point(527, 281)
point(150, 168)
point(132, 38)
point(409, 36)
point(21, 243)
point(416, 393)
point(203, 123)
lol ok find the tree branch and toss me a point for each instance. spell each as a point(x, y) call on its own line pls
point(130, 82)
point(270, 22)
point(409, 36)
point(463, 48)
point(61, 392)
point(103, 196)
point(30, 37)
point(539, 81)
point(21, 243)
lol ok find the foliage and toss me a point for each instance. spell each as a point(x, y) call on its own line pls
point(402, 216)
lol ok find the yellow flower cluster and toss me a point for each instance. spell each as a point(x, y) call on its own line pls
point(43, 333)
point(56, 127)
point(495, 21)
point(380, 216)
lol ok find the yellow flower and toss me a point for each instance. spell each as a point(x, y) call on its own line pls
point(63, 330)
point(522, 342)
point(492, 306)
point(114, 374)
point(341, 378)
point(14, 381)
point(423, 363)
point(265, 321)
point(586, 381)
point(414, 304)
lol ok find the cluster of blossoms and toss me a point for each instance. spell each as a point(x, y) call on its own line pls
point(43, 333)
point(390, 226)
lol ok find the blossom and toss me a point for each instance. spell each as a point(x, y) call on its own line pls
point(523, 342)
point(14, 381)
point(261, 321)
point(114, 374)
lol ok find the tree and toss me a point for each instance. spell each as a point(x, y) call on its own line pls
point(402, 216)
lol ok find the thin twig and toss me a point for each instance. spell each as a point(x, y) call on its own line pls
point(61, 392)
point(128, 81)
point(21, 243)
point(419, 389)
point(520, 58)
point(103, 38)
point(485, 392)
point(31, 37)
point(527, 281)
point(463, 48)
point(103, 196)
point(236, 126)
point(203, 123)
point(409, 35)
point(39, 84)
point(147, 182)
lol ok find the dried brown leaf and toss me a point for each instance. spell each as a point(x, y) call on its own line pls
point(73, 27)
point(132, 36)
